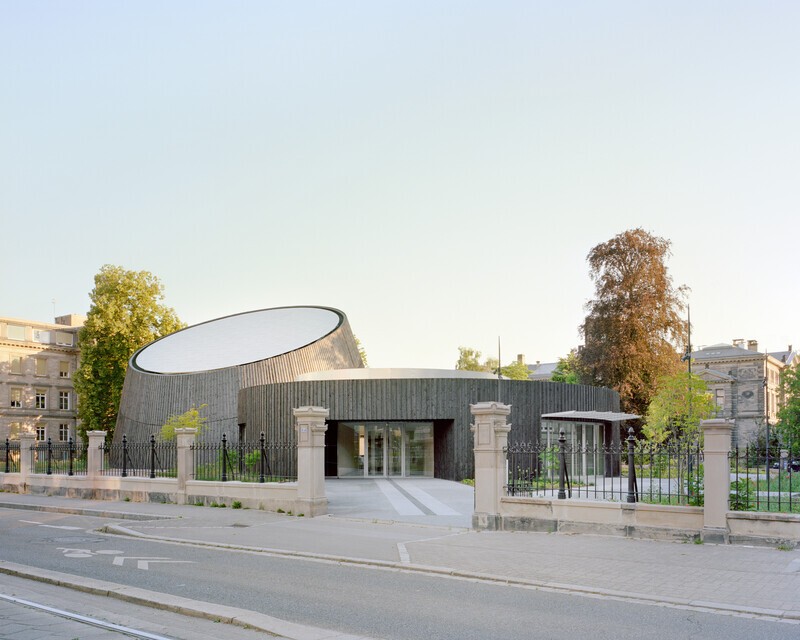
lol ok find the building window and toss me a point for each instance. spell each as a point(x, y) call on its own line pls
point(719, 397)
point(41, 336)
point(15, 397)
point(63, 432)
point(63, 369)
point(64, 338)
point(14, 429)
point(40, 399)
point(15, 332)
point(16, 364)
point(63, 400)
point(41, 366)
point(41, 432)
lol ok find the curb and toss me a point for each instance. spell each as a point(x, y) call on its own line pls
point(82, 511)
point(176, 604)
point(782, 615)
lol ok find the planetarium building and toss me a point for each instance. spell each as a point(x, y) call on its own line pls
point(253, 369)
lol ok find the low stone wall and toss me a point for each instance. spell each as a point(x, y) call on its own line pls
point(641, 520)
point(268, 496)
point(747, 527)
point(636, 520)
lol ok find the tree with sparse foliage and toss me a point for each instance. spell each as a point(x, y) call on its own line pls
point(676, 410)
point(568, 369)
point(516, 371)
point(126, 314)
point(469, 359)
point(789, 416)
point(190, 419)
point(361, 351)
point(633, 328)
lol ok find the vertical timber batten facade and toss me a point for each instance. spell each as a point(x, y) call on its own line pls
point(441, 402)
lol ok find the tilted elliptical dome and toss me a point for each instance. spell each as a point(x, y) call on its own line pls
point(238, 339)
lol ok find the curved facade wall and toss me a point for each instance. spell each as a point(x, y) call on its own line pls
point(442, 401)
point(149, 398)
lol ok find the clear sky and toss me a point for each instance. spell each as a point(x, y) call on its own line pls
point(437, 170)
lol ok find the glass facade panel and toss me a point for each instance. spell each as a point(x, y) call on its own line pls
point(385, 449)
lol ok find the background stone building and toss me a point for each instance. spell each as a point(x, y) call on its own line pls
point(37, 362)
point(745, 383)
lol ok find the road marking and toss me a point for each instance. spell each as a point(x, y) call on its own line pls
point(52, 526)
point(438, 508)
point(401, 504)
point(87, 553)
point(144, 562)
point(136, 633)
point(404, 557)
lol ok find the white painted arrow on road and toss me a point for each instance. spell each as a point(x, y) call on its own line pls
point(144, 562)
point(52, 526)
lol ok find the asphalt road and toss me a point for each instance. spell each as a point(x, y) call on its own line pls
point(381, 603)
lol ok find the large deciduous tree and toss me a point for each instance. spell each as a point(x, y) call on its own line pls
point(633, 328)
point(126, 313)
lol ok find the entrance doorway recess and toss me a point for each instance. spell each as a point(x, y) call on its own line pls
point(385, 449)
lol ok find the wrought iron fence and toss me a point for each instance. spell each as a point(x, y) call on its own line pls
point(58, 458)
point(632, 471)
point(11, 456)
point(766, 478)
point(152, 459)
point(260, 461)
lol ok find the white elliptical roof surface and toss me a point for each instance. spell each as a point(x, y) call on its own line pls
point(238, 339)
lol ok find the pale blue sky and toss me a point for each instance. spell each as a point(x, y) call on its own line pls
point(437, 170)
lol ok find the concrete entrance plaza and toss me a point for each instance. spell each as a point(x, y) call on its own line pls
point(411, 500)
point(422, 525)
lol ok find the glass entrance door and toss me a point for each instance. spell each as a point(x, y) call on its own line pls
point(376, 450)
point(385, 449)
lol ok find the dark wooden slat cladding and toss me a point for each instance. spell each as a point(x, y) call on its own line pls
point(446, 401)
point(149, 399)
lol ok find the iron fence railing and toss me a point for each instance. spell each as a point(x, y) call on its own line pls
point(632, 471)
point(11, 456)
point(259, 461)
point(58, 458)
point(152, 459)
point(766, 478)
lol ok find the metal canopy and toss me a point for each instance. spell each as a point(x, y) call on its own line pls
point(590, 416)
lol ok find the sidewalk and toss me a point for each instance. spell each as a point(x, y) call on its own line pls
point(22, 621)
point(727, 579)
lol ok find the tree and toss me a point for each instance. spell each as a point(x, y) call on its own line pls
point(633, 326)
point(516, 371)
point(126, 313)
point(190, 419)
point(469, 359)
point(568, 369)
point(676, 410)
point(789, 416)
point(361, 351)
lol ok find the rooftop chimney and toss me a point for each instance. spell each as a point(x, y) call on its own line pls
point(738, 342)
point(752, 345)
point(521, 358)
